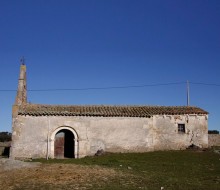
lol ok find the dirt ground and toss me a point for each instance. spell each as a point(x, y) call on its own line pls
point(57, 176)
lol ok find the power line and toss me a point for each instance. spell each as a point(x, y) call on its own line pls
point(100, 88)
point(205, 84)
point(8, 90)
point(113, 87)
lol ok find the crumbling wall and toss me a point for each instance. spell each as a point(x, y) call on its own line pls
point(33, 136)
point(167, 136)
point(214, 140)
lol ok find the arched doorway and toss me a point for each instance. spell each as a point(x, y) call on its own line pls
point(64, 144)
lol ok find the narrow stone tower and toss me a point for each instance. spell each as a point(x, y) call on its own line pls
point(20, 100)
point(21, 97)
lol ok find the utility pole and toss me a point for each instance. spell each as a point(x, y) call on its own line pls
point(187, 88)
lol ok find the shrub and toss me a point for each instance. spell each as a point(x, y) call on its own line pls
point(213, 132)
point(5, 136)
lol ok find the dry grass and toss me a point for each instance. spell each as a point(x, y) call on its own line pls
point(150, 171)
point(62, 176)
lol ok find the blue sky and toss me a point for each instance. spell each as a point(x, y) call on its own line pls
point(72, 44)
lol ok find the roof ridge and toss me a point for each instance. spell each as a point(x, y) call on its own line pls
point(107, 105)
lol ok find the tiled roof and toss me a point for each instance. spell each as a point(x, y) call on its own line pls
point(106, 111)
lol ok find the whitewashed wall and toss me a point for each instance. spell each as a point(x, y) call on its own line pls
point(33, 137)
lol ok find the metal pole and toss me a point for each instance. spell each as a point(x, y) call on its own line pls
point(187, 93)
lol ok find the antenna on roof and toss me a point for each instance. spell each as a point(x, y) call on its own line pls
point(22, 60)
point(187, 84)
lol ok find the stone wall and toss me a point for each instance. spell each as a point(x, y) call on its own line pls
point(34, 136)
point(214, 140)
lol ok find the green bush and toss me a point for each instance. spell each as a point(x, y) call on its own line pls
point(5, 136)
point(213, 132)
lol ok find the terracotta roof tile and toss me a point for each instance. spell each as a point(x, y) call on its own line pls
point(106, 111)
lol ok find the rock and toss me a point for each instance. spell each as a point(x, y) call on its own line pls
point(100, 152)
point(193, 147)
point(217, 151)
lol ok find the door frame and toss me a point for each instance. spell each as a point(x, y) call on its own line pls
point(53, 135)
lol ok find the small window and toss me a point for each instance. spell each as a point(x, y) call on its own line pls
point(181, 128)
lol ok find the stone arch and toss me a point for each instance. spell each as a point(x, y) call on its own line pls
point(53, 136)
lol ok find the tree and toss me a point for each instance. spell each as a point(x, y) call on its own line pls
point(213, 132)
point(5, 136)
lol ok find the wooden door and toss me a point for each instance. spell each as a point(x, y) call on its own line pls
point(59, 145)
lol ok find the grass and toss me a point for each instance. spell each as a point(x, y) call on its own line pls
point(153, 170)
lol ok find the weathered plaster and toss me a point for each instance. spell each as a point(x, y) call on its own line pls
point(34, 136)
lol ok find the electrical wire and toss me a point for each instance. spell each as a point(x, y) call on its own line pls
point(115, 87)
point(101, 88)
point(205, 84)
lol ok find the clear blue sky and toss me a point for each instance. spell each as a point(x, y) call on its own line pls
point(103, 43)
